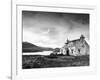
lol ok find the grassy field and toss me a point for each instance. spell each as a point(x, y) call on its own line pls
point(40, 61)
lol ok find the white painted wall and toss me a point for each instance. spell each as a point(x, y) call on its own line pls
point(5, 41)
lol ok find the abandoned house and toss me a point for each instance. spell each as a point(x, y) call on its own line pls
point(76, 47)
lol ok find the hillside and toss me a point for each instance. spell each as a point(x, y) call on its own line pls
point(29, 47)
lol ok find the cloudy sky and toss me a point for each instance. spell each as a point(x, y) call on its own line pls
point(50, 29)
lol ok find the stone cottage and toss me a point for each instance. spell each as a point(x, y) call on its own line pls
point(76, 47)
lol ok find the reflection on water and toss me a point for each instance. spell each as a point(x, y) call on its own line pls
point(38, 53)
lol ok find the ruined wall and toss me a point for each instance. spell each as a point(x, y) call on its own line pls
point(76, 48)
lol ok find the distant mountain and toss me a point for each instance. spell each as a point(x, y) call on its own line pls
point(29, 47)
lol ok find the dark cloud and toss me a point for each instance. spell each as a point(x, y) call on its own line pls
point(77, 17)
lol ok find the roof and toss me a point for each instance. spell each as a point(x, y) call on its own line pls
point(73, 41)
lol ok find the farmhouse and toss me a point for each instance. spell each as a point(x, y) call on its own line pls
point(76, 47)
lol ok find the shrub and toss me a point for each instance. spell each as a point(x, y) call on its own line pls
point(52, 55)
